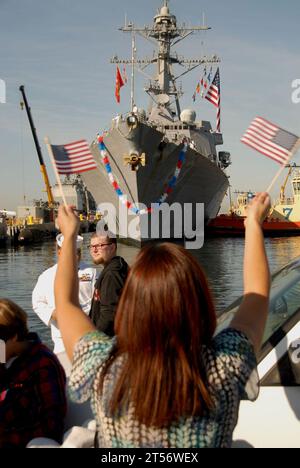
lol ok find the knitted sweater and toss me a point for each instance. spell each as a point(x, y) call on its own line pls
point(231, 371)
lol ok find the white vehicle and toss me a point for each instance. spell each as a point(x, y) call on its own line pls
point(273, 420)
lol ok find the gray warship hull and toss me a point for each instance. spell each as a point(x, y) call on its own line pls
point(200, 179)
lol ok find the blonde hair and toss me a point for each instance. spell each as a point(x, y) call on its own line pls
point(13, 321)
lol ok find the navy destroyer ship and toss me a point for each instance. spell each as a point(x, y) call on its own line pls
point(162, 155)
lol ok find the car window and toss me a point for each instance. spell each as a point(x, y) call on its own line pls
point(284, 373)
point(284, 301)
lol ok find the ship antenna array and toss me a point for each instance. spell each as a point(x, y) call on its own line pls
point(164, 33)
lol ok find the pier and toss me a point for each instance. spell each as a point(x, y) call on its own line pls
point(15, 231)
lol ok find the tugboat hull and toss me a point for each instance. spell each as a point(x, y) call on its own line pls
point(233, 226)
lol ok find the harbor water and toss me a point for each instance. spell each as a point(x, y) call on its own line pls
point(222, 260)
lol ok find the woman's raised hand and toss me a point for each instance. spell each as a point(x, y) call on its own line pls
point(67, 221)
point(259, 208)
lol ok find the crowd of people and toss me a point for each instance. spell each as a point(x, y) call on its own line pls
point(139, 344)
point(33, 379)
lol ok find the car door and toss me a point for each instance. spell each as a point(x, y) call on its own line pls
point(273, 420)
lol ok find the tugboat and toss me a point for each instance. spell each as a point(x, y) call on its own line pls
point(163, 155)
point(283, 220)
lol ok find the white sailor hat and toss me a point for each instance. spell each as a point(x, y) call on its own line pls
point(103, 231)
point(60, 239)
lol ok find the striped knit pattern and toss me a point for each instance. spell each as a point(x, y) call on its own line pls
point(231, 368)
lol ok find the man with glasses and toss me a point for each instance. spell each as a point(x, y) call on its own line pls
point(103, 249)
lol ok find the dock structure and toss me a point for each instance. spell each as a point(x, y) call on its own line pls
point(21, 232)
point(24, 232)
point(13, 235)
point(36, 223)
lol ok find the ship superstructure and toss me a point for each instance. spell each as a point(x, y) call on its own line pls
point(76, 194)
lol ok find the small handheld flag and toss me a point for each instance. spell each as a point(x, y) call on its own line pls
point(73, 158)
point(273, 142)
point(270, 140)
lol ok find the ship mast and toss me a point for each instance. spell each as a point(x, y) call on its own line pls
point(165, 34)
point(133, 59)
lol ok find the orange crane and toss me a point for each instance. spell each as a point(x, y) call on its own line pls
point(38, 148)
point(282, 188)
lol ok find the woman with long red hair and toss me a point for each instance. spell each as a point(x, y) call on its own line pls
point(166, 380)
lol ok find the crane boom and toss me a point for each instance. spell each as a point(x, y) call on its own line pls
point(38, 149)
point(291, 167)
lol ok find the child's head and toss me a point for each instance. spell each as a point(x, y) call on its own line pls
point(13, 321)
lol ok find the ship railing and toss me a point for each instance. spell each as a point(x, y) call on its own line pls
point(120, 118)
point(12, 221)
point(30, 220)
point(285, 201)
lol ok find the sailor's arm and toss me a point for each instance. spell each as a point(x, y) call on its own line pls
point(42, 304)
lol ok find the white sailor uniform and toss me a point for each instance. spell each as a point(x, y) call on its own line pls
point(43, 301)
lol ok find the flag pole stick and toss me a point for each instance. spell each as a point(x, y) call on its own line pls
point(277, 175)
point(47, 141)
point(294, 150)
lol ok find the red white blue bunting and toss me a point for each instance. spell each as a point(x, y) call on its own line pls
point(122, 197)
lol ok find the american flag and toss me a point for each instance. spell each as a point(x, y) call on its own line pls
point(270, 140)
point(73, 158)
point(213, 95)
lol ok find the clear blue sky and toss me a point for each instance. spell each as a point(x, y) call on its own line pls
point(60, 51)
